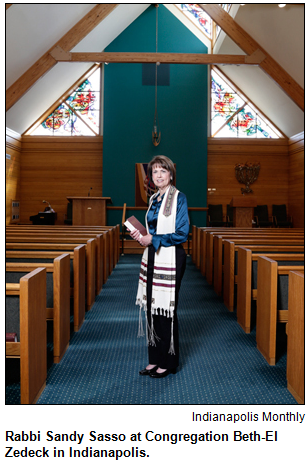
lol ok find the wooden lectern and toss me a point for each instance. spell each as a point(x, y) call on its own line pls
point(243, 211)
point(89, 211)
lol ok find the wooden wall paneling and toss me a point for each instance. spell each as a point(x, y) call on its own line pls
point(12, 170)
point(53, 168)
point(272, 184)
point(297, 179)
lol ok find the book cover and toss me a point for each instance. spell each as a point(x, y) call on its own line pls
point(132, 223)
point(11, 337)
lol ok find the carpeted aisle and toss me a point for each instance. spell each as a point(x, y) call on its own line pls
point(220, 364)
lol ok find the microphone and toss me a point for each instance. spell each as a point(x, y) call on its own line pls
point(89, 191)
point(45, 201)
point(50, 209)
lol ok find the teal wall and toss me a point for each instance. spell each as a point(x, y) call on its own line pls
point(129, 112)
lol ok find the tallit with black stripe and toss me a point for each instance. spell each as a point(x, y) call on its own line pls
point(164, 277)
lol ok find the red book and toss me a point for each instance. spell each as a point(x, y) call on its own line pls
point(11, 337)
point(132, 223)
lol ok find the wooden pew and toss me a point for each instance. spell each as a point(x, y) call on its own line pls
point(247, 261)
point(113, 231)
point(259, 239)
point(231, 261)
point(32, 345)
point(90, 260)
point(296, 337)
point(218, 246)
point(203, 248)
point(58, 295)
point(198, 241)
point(76, 238)
point(111, 241)
point(207, 244)
point(106, 248)
point(77, 279)
point(207, 247)
point(269, 311)
point(200, 236)
point(111, 236)
point(200, 246)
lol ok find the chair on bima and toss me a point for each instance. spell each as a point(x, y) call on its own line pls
point(261, 217)
point(69, 214)
point(280, 217)
point(229, 215)
point(215, 215)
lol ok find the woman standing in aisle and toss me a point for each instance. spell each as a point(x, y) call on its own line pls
point(162, 268)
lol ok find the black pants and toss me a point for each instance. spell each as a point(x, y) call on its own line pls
point(158, 354)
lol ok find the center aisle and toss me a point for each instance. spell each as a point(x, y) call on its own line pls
point(219, 363)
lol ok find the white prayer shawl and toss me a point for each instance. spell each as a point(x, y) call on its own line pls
point(164, 276)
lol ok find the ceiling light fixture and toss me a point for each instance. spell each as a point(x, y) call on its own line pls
point(281, 5)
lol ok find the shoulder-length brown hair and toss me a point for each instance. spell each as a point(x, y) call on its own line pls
point(165, 163)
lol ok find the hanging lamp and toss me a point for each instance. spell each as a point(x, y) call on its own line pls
point(156, 134)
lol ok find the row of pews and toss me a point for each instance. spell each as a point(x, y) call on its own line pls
point(53, 274)
point(260, 274)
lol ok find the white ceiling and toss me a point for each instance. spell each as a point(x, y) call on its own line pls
point(32, 29)
point(273, 28)
point(53, 84)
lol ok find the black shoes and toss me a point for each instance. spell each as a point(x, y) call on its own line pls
point(163, 374)
point(153, 373)
point(147, 372)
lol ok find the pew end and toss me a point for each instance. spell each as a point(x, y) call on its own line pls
point(296, 337)
point(32, 348)
point(268, 314)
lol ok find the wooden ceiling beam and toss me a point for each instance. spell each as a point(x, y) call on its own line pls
point(250, 46)
point(66, 43)
point(178, 58)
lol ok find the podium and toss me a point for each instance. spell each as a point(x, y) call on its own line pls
point(89, 211)
point(243, 211)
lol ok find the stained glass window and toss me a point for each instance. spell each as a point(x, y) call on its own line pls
point(248, 123)
point(194, 12)
point(233, 115)
point(225, 102)
point(79, 114)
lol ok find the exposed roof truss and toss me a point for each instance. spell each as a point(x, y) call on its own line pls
point(255, 54)
point(66, 43)
point(251, 47)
